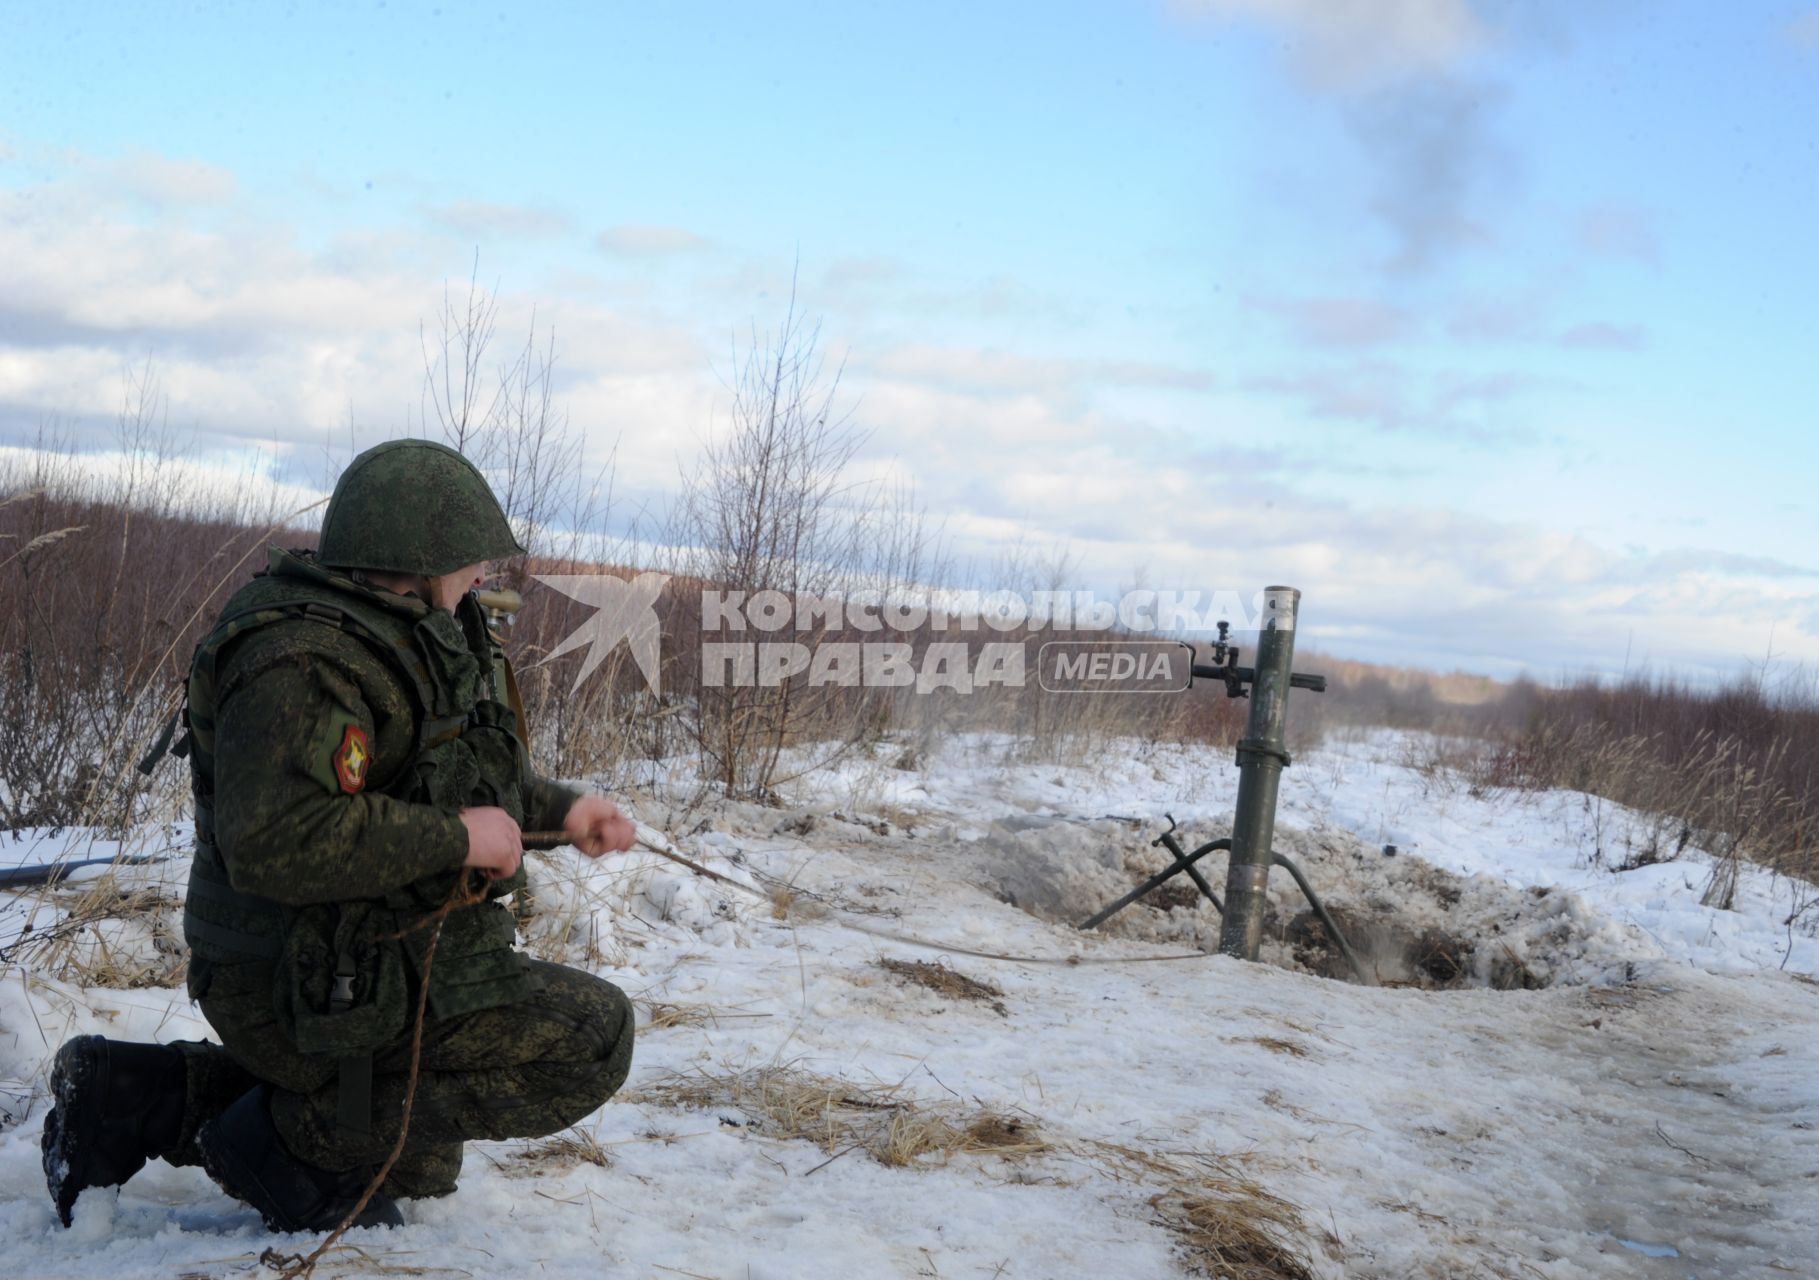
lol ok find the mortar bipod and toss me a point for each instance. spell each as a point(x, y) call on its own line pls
point(1184, 863)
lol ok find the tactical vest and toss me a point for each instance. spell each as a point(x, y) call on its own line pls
point(339, 986)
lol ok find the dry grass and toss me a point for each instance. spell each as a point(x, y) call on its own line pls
point(107, 935)
point(345, 1259)
point(561, 910)
point(1233, 1229)
point(947, 982)
point(1274, 1045)
point(666, 1013)
point(112, 577)
point(1226, 1224)
point(782, 898)
point(566, 1150)
point(840, 1116)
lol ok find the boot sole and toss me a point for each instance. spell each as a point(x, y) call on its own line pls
point(71, 1131)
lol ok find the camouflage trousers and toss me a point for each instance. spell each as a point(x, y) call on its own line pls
point(521, 1070)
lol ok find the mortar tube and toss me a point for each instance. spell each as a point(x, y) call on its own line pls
point(1261, 757)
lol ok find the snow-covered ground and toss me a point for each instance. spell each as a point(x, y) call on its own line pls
point(1642, 1101)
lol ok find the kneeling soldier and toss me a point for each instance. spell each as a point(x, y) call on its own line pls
point(355, 759)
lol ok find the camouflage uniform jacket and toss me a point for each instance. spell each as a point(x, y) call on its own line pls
point(335, 732)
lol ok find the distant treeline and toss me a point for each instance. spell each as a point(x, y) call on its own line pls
point(108, 587)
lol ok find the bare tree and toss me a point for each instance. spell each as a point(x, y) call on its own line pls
point(507, 420)
point(504, 415)
point(453, 374)
point(773, 505)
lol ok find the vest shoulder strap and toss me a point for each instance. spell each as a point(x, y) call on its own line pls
point(299, 601)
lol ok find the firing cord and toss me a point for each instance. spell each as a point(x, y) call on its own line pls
point(653, 842)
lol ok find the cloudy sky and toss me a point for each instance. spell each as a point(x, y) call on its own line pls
point(1481, 321)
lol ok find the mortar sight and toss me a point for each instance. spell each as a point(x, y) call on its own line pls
point(1224, 667)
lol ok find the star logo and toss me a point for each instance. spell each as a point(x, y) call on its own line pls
point(351, 759)
point(624, 611)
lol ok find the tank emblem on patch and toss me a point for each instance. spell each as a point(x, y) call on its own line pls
point(351, 759)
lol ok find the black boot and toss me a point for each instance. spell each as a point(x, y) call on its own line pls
point(115, 1105)
point(242, 1151)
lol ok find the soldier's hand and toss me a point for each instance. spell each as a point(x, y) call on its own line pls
point(494, 842)
point(596, 826)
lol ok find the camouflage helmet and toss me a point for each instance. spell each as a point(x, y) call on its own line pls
point(413, 506)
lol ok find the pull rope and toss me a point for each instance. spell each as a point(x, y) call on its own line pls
point(652, 841)
point(467, 891)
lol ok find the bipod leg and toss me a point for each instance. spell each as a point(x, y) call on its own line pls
point(1332, 929)
point(1187, 865)
point(1183, 862)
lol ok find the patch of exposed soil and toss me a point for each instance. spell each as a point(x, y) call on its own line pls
point(947, 982)
point(1431, 957)
point(1410, 922)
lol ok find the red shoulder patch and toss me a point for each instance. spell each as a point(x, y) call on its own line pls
point(351, 759)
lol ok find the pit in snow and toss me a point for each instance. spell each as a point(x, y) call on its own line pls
point(1410, 922)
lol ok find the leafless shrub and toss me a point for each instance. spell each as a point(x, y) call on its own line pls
point(1735, 770)
point(503, 415)
point(773, 511)
point(116, 575)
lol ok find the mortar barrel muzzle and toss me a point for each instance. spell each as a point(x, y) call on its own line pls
point(497, 602)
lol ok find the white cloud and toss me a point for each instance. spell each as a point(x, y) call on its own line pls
point(1619, 231)
point(1803, 31)
point(1340, 322)
point(1403, 582)
point(1601, 335)
point(1359, 44)
point(1482, 319)
point(258, 338)
point(1388, 396)
point(634, 240)
point(103, 278)
point(994, 371)
point(255, 337)
point(243, 483)
point(164, 180)
point(488, 220)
